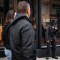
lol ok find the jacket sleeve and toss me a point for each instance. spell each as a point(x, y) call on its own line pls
point(28, 37)
point(47, 33)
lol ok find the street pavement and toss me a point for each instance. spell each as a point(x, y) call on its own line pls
point(3, 58)
point(36, 59)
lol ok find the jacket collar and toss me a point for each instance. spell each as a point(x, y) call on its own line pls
point(18, 15)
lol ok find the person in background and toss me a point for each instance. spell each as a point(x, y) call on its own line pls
point(22, 34)
point(51, 31)
point(9, 19)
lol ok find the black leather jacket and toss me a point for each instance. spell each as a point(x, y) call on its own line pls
point(22, 36)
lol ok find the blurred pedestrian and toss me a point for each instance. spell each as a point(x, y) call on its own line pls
point(6, 36)
point(51, 31)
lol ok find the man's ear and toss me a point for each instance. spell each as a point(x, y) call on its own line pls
point(27, 12)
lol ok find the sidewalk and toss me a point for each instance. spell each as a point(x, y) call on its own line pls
point(36, 59)
point(3, 58)
point(48, 59)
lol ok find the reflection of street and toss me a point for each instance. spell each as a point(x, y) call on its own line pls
point(36, 59)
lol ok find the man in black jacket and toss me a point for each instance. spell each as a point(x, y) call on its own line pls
point(51, 30)
point(22, 35)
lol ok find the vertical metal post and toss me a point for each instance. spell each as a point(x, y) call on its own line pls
point(57, 12)
point(39, 24)
point(31, 5)
point(27, 0)
point(6, 7)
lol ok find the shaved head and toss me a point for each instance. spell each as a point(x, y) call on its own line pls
point(23, 7)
